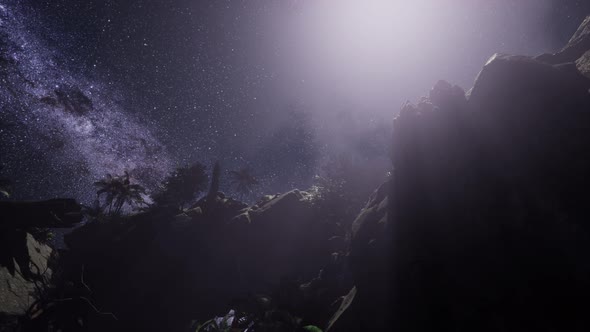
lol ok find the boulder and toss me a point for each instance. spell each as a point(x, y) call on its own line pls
point(26, 264)
point(23, 263)
point(522, 108)
point(510, 84)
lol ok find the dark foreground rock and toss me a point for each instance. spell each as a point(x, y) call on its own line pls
point(368, 304)
point(158, 271)
point(27, 265)
point(486, 224)
point(53, 213)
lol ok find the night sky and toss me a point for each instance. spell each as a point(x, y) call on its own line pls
point(277, 86)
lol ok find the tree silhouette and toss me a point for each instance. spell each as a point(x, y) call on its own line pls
point(118, 191)
point(243, 181)
point(182, 186)
point(94, 212)
point(214, 187)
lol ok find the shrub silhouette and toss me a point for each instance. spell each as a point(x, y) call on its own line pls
point(118, 191)
point(182, 186)
point(243, 181)
point(214, 186)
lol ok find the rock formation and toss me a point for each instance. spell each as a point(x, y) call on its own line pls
point(22, 260)
point(575, 48)
point(480, 227)
point(27, 265)
point(486, 215)
point(159, 271)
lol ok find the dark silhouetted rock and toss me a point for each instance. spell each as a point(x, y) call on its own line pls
point(158, 271)
point(284, 237)
point(447, 97)
point(53, 213)
point(370, 238)
point(486, 214)
point(488, 210)
point(370, 265)
point(510, 83)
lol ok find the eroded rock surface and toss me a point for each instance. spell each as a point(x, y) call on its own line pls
point(583, 64)
point(192, 265)
point(576, 50)
point(486, 212)
point(23, 261)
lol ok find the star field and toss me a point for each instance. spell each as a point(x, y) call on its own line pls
point(103, 86)
point(61, 131)
point(189, 68)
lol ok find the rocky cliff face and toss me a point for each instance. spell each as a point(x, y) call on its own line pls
point(487, 209)
point(575, 51)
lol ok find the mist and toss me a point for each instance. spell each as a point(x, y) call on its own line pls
point(373, 55)
point(354, 63)
point(219, 81)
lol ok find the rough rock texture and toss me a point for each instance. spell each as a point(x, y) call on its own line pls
point(487, 209)
point(369, 260)
point(22, 261)
point(158, 271)
point(575, 49)
point(583, 64)
point(26, 265)
point(580, 41)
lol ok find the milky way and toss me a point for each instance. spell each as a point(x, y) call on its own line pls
point(102, 86)
point(60, 131)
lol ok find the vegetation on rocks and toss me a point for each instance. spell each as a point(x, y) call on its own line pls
point(182, 186)
point(118, 191)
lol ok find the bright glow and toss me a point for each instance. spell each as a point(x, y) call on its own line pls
point(375, 52)
point(357, 47)
point(369, 28)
